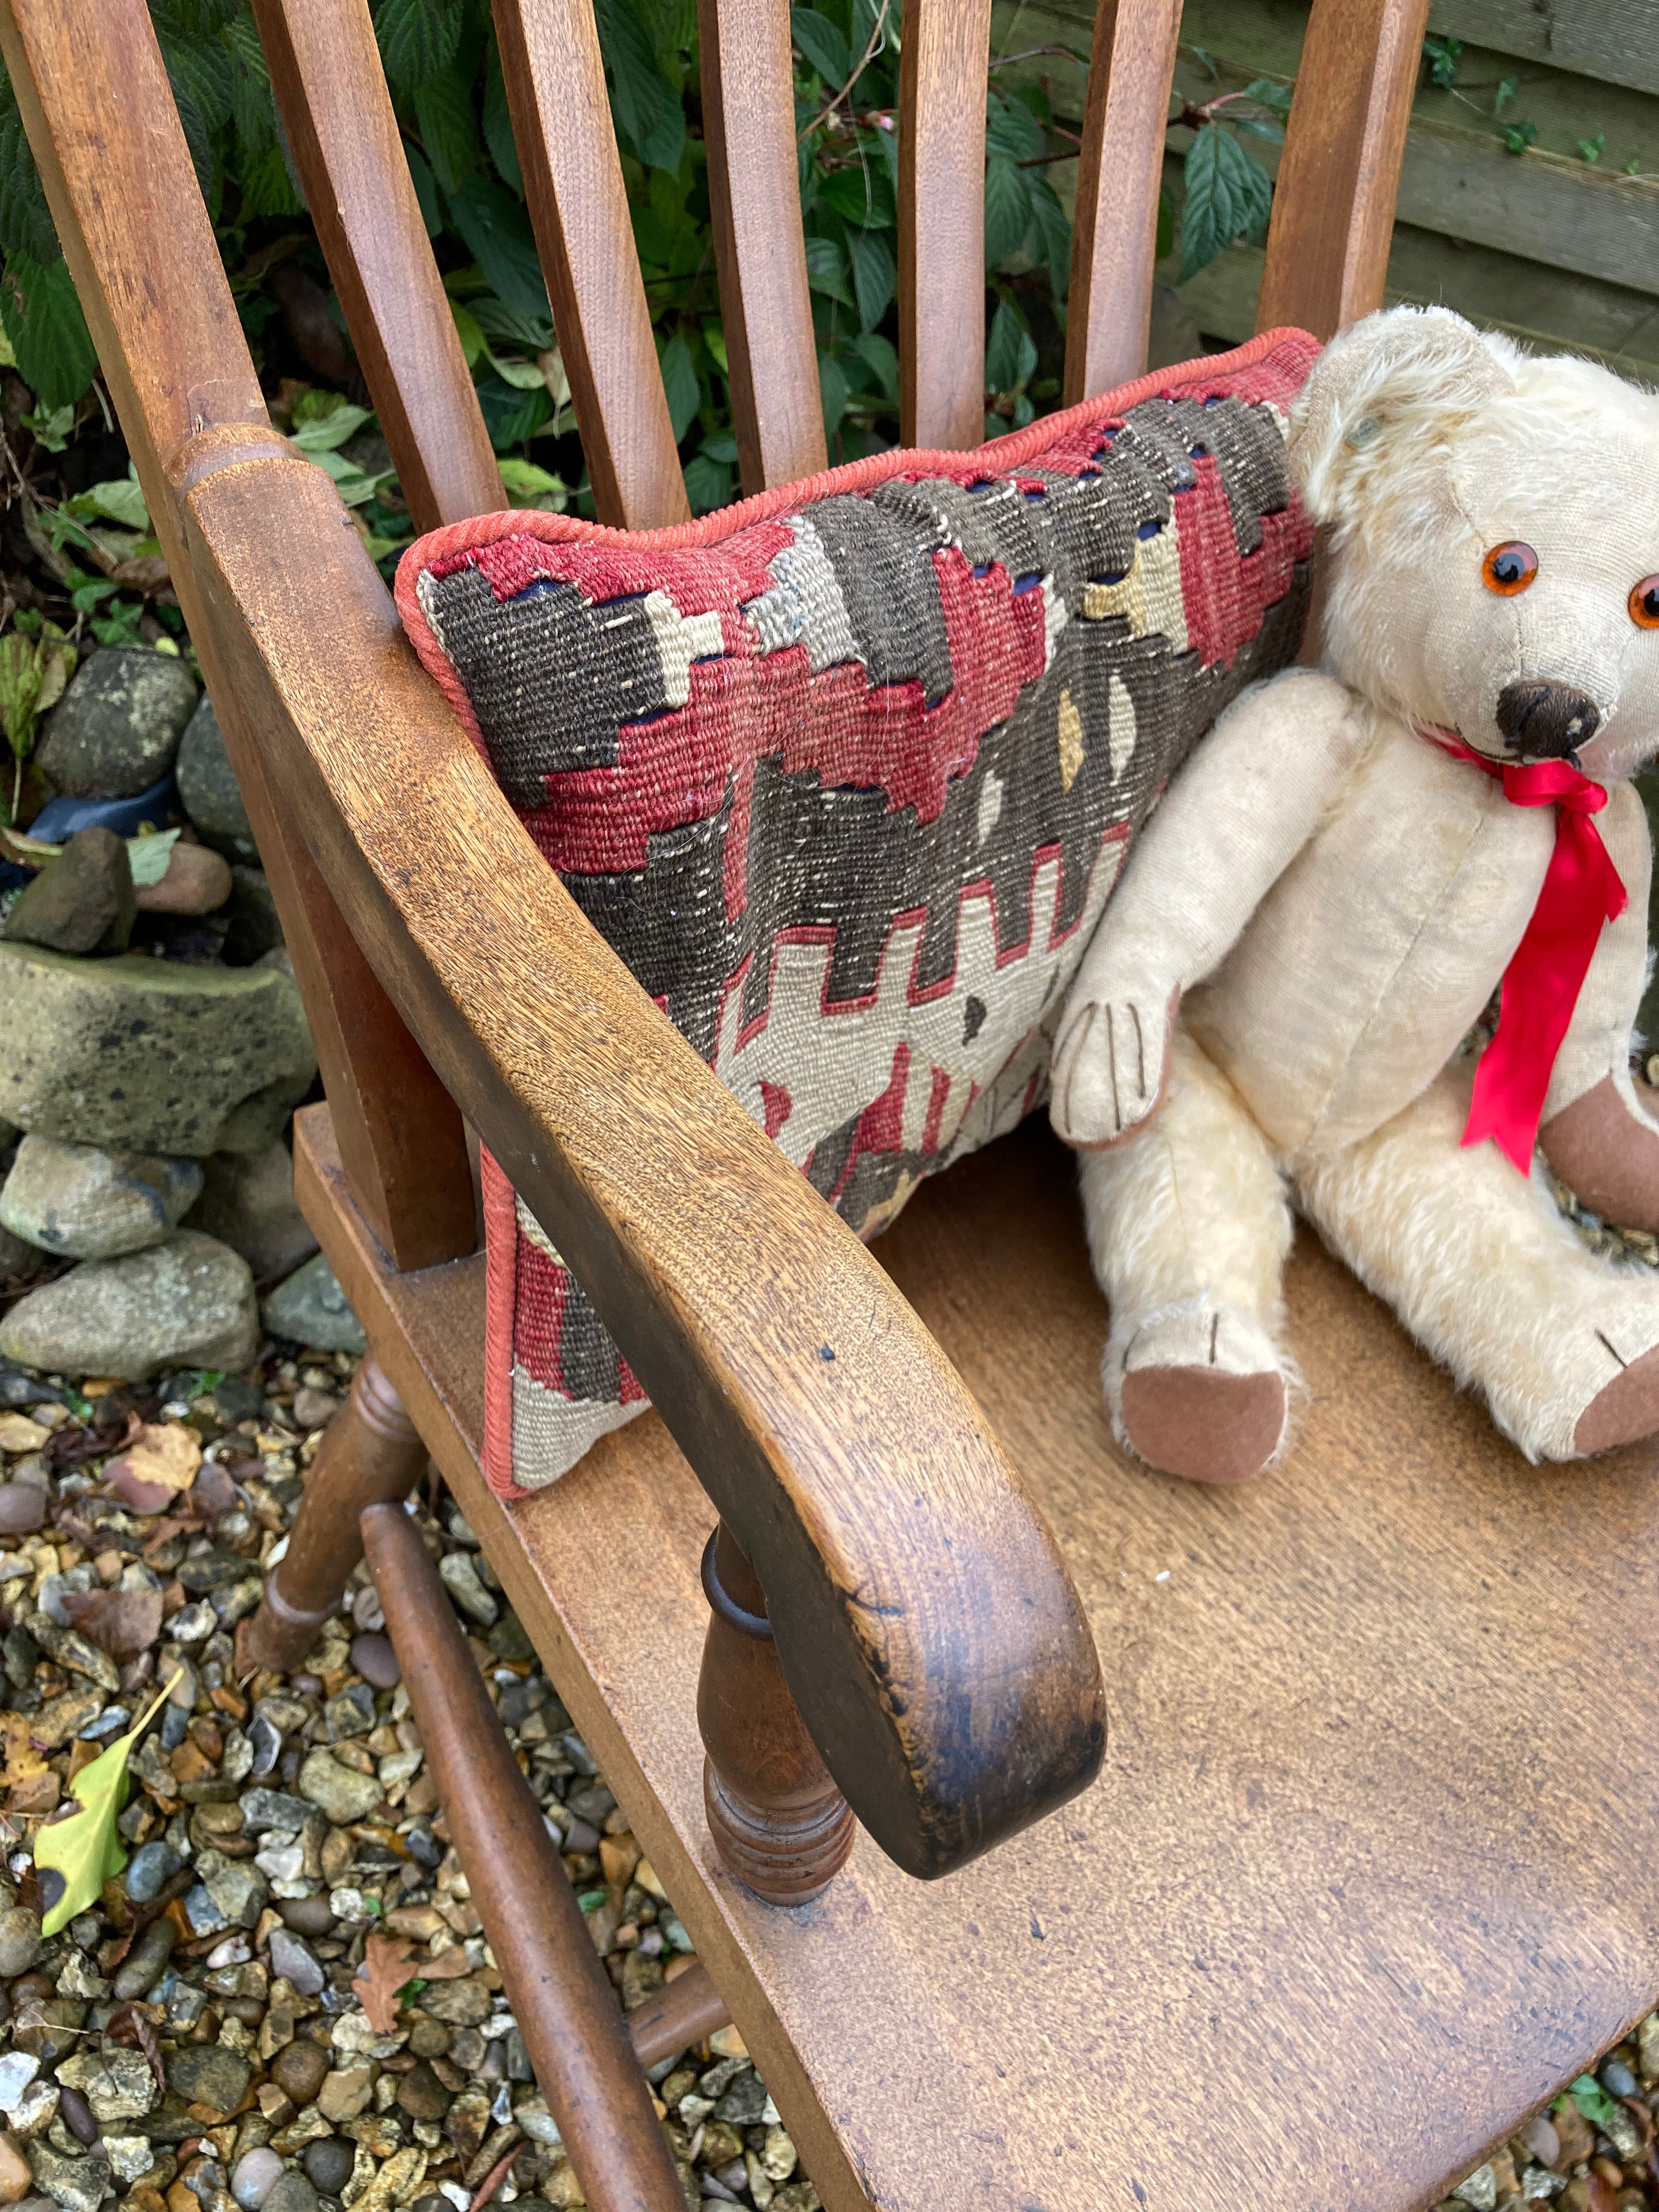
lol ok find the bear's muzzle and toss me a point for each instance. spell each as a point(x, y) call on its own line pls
point(1544, 720)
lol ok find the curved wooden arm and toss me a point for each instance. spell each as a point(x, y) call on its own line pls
point(927, 1628)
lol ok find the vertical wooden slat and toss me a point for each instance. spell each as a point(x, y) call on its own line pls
point(1328, 248)
point(325, 72)
point(1120, 170)
point(100, 117)
point(941, 288)
point(561, 113)
point(749, 122)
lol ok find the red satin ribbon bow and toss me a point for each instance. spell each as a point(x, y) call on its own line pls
point(1582, 891)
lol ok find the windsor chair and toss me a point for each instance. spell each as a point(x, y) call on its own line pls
point(1361, 1882)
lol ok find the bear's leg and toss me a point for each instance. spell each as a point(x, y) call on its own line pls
point(1188, 1227)
point(1480, 1265)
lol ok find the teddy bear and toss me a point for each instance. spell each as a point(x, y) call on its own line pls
point(1273, 1017)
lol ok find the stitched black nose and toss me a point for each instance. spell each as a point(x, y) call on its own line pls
point(1547, 721)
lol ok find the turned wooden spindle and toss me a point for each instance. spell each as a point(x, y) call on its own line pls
point(371, 1455)
point(778, 1821)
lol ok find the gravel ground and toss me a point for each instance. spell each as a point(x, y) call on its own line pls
point(194, 2040)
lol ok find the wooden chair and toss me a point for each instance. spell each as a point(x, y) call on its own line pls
point(1367, 1873)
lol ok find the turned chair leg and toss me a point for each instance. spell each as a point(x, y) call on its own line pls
point(371, 1455)
point(778, 1821)
point(559, 1993)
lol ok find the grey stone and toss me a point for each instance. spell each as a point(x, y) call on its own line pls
point(255, 926)
point(293, 2193)
point(81, 902)
point(20, 1941)
point(83, 1203)
point(247, 1202)
point(151, 1866)
point(376, 1661)
point(352, 1713)
point(264, 1809)
point(208, 2074)
point(310, 1308)
point(462, 2004)
point(79, 2184)
point(291, 1957)
point(75, 1652)
point(341, 1792)
point(17, 2070)
point(188, 1303)
point(150, 1055)
point(207, 788)
point(461, 1579)
point(22, 1509)
point(328, 2163)
point(237, 1887)
point(117, 2084)
point(116, 730)
point(147, 1960)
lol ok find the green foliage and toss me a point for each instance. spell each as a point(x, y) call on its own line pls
point(1445, 57)
point(1591, 149)
point(443, 67)
point(1517, 137)
point(1504, 94)
point(1228, 197)
point(1592, 2100)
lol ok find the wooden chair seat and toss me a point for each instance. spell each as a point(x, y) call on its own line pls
point(1363, 1877)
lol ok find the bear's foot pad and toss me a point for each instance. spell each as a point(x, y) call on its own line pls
point(1205, 1423)
point(1624, 1412)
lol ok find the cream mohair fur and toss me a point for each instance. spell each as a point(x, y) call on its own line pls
point(1325, 900)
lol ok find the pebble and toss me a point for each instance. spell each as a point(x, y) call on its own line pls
point(308, 1916)
point(142, 1966)
point(292, 1958)
point(310, 1308)
point(255, 2175)
point(328, 2163)
point(83, 1203)
point(314, 1409)
point(294, 2193)
point(22, 1509)
point(339, 1791)
point(15, 2179)
point(299, 2070)
point(208, 2074)
point(150, 1869)
point(20, 1941)
point(83, 902)
point(461, 1579)
point(1617, 2078)
point(423, 2095)
point(376, 1662)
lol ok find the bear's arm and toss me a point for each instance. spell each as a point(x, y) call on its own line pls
point(1233, 819)
point(1600, 1134)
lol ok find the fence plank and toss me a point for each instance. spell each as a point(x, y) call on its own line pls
point(1616, 40)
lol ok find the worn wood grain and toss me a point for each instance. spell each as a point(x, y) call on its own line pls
point(172, 352)
point(1114, 230)
point(1309, 1859)
point(1617, 40)
point(326, 73)
point(925, 1623)
point(1327, 245)
point(560, 112)
point(941, 222)
point(749, 125)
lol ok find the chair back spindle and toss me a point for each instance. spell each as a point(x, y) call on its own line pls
point(749, 122)
point(941, 256)
point(1333, 221)
point(561, 115)
point(325, 72)
point(1119, 166)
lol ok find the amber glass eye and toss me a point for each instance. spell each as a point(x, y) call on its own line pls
point(1509, 569)
point(1645, 603)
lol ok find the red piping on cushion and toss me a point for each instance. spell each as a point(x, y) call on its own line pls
point(1002, 456)
point(501, 1285)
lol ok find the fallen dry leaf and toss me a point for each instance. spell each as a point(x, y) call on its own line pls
point(133, 2023)
point(388, 1963)
point(18, 1757)
point(124, 1623)
point(162, 1453)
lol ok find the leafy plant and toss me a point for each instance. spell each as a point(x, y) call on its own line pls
point(36, 662)
point(1445, 56)
point(1504, 94)
point(1592, 2100)
point(1517, 137)
point(1591, 149)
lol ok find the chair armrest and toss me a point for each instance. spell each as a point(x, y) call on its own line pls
point(926, 1625)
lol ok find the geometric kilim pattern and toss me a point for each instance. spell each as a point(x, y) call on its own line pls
point(845, 775)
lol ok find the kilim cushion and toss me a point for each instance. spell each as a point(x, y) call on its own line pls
point(846, 774)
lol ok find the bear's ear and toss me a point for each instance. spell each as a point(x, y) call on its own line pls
point(1390, 396)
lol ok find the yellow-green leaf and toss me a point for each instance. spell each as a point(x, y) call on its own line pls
point(86, 1848)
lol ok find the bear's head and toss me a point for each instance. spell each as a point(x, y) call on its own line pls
point(1492, 530)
